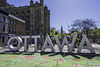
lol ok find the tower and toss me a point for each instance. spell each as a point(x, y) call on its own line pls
point(42, 15)
point(31, 3)
point(2, 3)
point(42, 2)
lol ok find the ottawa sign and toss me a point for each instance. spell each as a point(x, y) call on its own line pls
point(48, 43)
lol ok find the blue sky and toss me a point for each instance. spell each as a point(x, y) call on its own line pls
point(66, 11)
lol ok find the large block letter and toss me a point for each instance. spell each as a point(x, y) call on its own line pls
point(48, 41)
point(73, 42)
point(60, 46)
point(26, 44)
point(89, 46)
point(36, 37)
point(65, 41)
point(11, 46)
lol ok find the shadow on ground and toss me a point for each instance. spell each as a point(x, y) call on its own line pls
point(63, 54)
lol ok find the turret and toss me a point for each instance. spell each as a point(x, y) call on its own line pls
point(31, 3)
point(42, 2)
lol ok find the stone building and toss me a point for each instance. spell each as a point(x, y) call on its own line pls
point(16, 26)
point(36, 16)
point(3, 27)
point(10, 26)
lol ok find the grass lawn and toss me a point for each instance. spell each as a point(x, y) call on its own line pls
point(30, 59)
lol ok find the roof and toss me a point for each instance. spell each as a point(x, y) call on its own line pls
point(12, 16)
point(3, 11)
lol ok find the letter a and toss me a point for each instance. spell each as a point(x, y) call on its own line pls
point(48, 40)
point(89, 46)
point(60, 46)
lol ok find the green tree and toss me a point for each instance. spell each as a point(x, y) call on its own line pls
point(61, 31)
point(52, 31)
point(95, 32)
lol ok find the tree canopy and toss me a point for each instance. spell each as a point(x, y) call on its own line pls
point(83, 25)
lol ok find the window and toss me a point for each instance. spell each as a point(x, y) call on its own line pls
point(27, 16)
point(28, 26)
point(11, 30)
point(9, 21)
point(22, 12)
point(35, 10)
point(38, 10)
point(14, 31)
point(28, 11)
point(3, 39)
point(3, 28)
point(12, 13)
point(35, 20)
point(17, 12)
point(8, 30)
point(4, 19)
point(37, 15)
point(35, 26)
point(28, 21)
point(14, 23)
point(22, 16)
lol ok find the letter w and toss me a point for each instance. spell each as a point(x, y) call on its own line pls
point(65, 41)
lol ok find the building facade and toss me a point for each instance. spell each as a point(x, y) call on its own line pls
point(36, 16)
point(16, 26)
point(10, 26)
point(3, 27)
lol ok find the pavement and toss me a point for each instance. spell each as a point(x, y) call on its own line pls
point(65, 49)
